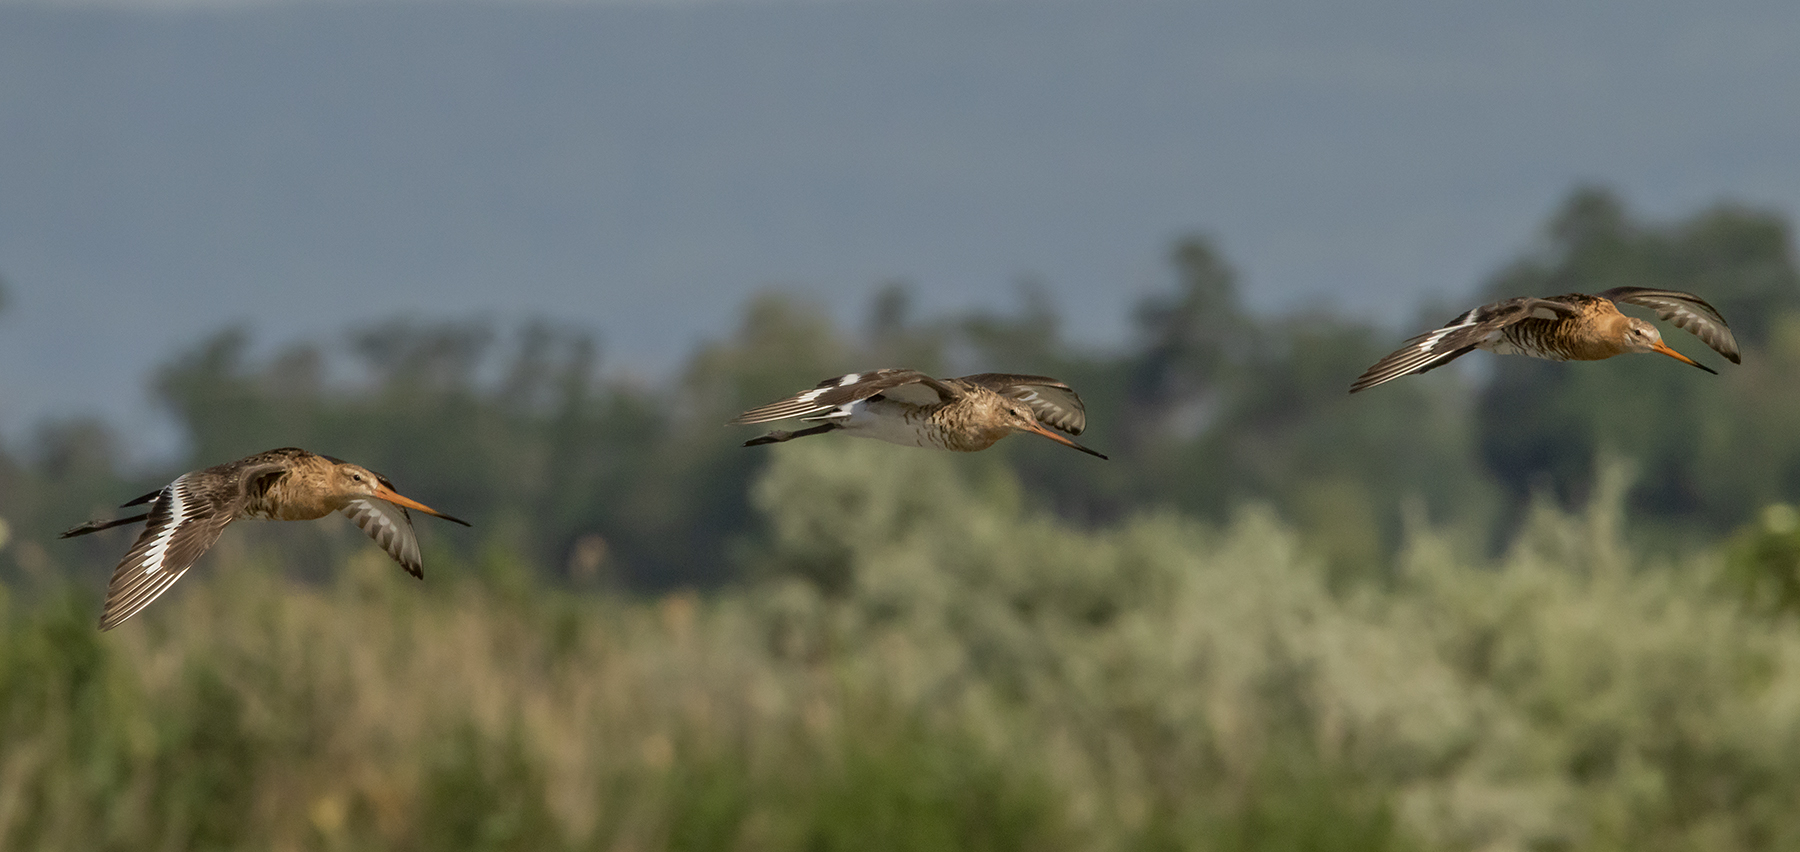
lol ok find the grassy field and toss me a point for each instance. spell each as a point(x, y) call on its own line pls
point(924, 663)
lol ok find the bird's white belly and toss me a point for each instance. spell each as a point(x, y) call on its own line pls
point(886, 421)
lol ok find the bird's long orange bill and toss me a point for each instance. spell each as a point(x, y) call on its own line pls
point(1664, 349)
point(1039, 429)
point(398, 499)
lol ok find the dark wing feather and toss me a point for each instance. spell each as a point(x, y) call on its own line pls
point(1054, 403)
point(1527, 307)
point(391, 527)
point(1415, 357)
point(842, 390)
point(1440, 346)
point(184, 520)
point(1688, 312)
point(255, 480)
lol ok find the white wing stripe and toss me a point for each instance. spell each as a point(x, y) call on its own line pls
point(840, 412)
point(159, 548)
point(1433, 338)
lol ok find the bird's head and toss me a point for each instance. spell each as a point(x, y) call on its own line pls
point(355, 480)
point(1018, 417)
point(1641, 336)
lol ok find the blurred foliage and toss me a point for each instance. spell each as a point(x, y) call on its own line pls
point(1764, 560)
point(977, 675)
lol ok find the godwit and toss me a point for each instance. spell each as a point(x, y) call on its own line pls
point(1575, 327)
point(910, 408)
point(288, 484)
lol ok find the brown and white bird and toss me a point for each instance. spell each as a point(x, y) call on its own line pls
point(910, 408)
point(289, 484)
point(1574, 327)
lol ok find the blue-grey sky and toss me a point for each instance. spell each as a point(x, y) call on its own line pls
point(169, 167)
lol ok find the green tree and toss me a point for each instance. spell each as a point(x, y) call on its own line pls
point(1190, 341)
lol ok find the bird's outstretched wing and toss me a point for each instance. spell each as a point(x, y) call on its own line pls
point(899, 384)
point(1055, 403)
point(184, 520)
point(1440, 346)
point(1688, 312)
point(391, 527)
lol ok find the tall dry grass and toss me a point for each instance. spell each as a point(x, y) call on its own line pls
point(925, 662)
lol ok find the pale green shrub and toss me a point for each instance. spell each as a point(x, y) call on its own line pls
point(927, 662)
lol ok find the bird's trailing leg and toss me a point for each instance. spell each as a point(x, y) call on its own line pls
point(778, 435)
point(96, 526)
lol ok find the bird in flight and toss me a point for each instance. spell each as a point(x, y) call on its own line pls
point(1574, 327)
point(289, 484)
point(910, 408)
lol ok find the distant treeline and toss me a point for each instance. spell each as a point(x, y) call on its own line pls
point(1207, 407)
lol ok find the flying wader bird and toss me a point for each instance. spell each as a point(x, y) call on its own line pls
point(910, 408)
point(289, 484)
point(1575, 327)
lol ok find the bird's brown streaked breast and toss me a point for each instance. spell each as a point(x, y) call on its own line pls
point(964, 429)
point(1553, 340)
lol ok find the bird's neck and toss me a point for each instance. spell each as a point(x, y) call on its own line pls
point(1604, 336)
point(972, 425)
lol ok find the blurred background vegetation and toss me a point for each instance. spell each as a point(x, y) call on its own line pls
point(1517, 605)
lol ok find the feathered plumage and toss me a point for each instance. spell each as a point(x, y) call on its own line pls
point(289, 484)
point(913, 409)
point(1572, 327)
